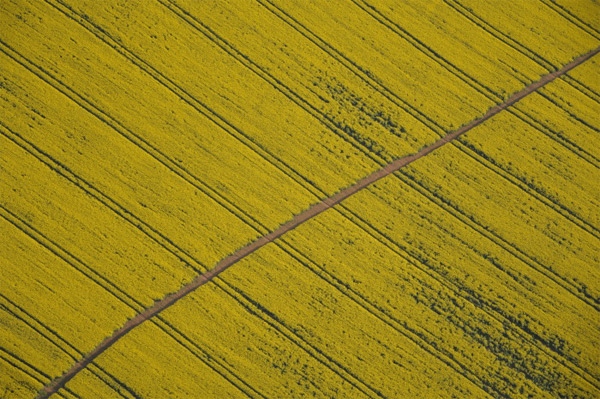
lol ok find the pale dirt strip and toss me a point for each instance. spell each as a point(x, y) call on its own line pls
point(310, 213)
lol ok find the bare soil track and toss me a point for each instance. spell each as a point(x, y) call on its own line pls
point(310, 213)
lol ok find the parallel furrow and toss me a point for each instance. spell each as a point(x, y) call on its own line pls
point(102, 281)
point(132, 303)
point(547, 199)
point(132, 137)
point(422, 335)
point(519, 181)
point(63, 345)
point(476, 85)
point(109, 203)
point(478, 301)
point(304, 185)
point(205, 357)
point(572, 18)
point(365, 76)
point(31, 371)
point(72, 261)
point(591, 94)
point(501, 36)
point(524, 185)
point(373, 83)
point(557, 136)
point(229, 128)
point(454, 210)
point(192, 262)
point(85, 186)
point(509, 41)
point(269, 318)
point(148, 231)
point(145, 228)
point(515, 45)
point(324, 119)
point(335, 367)
point(424, 340)
point(382, 19)
point(528, 187)
point(192, 101)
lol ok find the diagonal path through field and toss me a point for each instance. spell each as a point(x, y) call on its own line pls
point(299, 219)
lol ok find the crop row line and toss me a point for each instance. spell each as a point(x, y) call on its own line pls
point(59, 167)
point(551, 133)
point(305, 32)
point(572, 18)
point(463, 76)
point(475, 84)
point(31, 371)
point(419, 45)
point(337, 368)
point(276, 80)
point(527, 187)
point(68, 258)
point(414, 333)
point(148, 232)
point(184, 95)
point(423, 339)
point(293, 335)
point(559, 137)
point(208, 359)
point(515, 45)
point(273, 160)
point(154, 235)
point(462, 291)
point(452, 285)
point(470, 15)
point(479, 156)
point(119, 294)
point(572, 116)
point(90, 273)
point(365, 76)
point(582, 88)
point(535, 264)
point(373, 82)
point(64, 346)
point(324, 119)
point(193, 102)
point(500, 36)
point(132, 137)
point(109, 203)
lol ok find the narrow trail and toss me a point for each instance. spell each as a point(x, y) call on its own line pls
point(303, 217)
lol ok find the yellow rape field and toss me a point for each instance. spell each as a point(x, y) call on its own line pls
point(277, 346)
point(418, 270)
point(142, 143)
point(586, 76)
point(572, 122)
point(554, 37)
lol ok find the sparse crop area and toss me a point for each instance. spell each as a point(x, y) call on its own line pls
point(222, 199)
